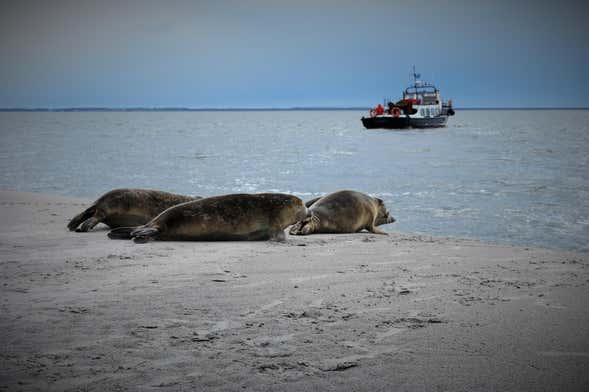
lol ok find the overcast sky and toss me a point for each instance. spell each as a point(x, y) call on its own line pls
point(297, 53)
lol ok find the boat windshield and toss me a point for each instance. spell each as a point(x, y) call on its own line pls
point(421, 89)
point(425, 93)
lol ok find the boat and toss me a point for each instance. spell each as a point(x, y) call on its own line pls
point(421, 107)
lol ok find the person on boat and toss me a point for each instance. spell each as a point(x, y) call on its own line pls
point(390, 109)
point(379, 110)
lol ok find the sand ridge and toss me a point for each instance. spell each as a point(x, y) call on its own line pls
point(324, 312)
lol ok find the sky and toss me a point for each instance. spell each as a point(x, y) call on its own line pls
point(256, 54)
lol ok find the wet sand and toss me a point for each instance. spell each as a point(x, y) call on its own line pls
point(358, 312)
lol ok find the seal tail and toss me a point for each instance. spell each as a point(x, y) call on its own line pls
point(81, 217)
point(121, 233)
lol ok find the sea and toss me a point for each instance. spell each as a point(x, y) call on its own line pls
point(501, 176)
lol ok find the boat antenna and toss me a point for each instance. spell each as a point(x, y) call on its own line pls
point(415, 75)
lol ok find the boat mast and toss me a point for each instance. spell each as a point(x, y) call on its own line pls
point(415, 76)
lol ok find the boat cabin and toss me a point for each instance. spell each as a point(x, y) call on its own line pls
point(422, 94)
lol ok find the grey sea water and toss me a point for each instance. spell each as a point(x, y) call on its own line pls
point(519, 177)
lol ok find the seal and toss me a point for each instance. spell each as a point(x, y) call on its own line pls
point(126, 207)
point(233, 217)
point(343, 212)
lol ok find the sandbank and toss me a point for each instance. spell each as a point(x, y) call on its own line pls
point(357, 312)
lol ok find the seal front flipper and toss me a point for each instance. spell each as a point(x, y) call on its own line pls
point(372, 229)
point(121, 233)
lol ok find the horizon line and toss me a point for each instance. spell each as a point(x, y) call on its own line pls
point(245, 109)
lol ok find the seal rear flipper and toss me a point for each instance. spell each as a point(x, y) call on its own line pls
point(88, 225)
point(142, 235)
point(81, 217)
point(296, 228)
point(306, 227)
point(121, 233)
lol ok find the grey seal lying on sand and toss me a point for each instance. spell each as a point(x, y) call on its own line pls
point(343, 212)
point(234, 217)
point(126, 207)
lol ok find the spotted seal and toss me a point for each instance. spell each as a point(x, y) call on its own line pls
point(234, 217)
point(126, 207)
point(343, 212)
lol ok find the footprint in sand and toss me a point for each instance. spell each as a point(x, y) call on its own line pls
point(272, 346)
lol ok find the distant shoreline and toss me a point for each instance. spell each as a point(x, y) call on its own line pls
point(172, 109)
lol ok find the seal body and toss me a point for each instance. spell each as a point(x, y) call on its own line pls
point(343, 212)
point(233, 217)
point(126, 207)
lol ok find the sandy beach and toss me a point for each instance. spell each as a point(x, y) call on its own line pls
point(358, 312)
